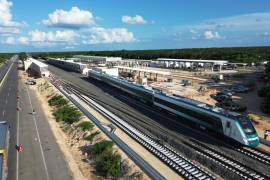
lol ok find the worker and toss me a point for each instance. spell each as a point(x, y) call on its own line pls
point(266, 133)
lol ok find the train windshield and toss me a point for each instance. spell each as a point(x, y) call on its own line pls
point(246, 125)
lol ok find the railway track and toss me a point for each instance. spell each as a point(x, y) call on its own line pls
point(252, 153)
point(244, 171)
point(177, 162)
point(225, 161)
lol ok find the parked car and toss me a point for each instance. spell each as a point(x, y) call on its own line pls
point(220, 98)
point(231, 106)
point(30, 82)
point(239, 89)
point(227, 91)
point(224, 93)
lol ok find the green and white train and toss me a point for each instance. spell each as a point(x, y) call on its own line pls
point(232, 125)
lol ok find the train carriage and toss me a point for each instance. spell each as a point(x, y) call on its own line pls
point(234, 126)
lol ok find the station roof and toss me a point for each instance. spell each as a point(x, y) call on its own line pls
point(194, 60)
point(40, 64)
point(145, 70)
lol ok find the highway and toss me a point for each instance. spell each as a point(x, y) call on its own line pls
point(41, 157)
point(149, 119)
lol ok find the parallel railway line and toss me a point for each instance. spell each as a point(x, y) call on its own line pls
point(177, 162)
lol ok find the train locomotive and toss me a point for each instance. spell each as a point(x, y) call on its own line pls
point(229, 124)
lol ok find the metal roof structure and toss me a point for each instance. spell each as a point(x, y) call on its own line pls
point(195, 60)
point(40, 64)
point(145, 70)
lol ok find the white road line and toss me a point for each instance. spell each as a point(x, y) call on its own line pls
point(41, 150)
point(17, 142)
point(8, 94)
point(3, 113)
point(6, 101)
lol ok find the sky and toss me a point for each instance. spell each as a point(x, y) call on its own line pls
point(79, 25)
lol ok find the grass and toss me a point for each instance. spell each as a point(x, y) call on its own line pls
point(86, 126)
point(92, 136)
point(101, 146)
point(68, 114)
point(57, 101)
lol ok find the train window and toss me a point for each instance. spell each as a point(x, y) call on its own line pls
point(228, 124)
point(246, 125)
point(213, 121)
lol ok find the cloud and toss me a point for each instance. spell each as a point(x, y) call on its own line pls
point(23, 40)
point(211, 35)
point(57, 36)
point(134, 20)
point(7, 25)
point(232, 27)
point(9, 40)
point(75, 18)
point(100, 35)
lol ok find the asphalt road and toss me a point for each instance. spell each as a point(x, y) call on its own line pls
point(41, 158)
point(8, 106)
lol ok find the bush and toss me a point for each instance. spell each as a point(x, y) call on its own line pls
point(92, 136)
point(264, 91)
point(68, 114)
point(57, 101)
point(108, 163)
point(86, 126)
point(101, 146)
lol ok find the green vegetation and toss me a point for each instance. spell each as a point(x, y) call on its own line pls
point(86, 126)
point(108, 163)
point(101, 146)
point(22, 56)
point(4, 57)
point(57, 101)
point(237, 54)
point(265, 92)
point(68, 114)
point(91, 136)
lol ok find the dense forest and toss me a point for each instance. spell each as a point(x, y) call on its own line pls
point(4, 57)
point(237, 54)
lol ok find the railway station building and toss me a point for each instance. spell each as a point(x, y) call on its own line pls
point(36, 67)
point(191, 63)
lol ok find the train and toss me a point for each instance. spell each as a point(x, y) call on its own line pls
point(67, 64)
point(4, 145)
point(232, 125)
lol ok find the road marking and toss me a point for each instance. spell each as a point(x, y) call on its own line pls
point(41, 150)
point(3, 113)
point(17, 142)
point(8, 94)
point(6, 101)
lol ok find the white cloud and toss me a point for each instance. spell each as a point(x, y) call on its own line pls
point(211, 35)
point(57, 36)
point(75, 18)
point(114, 35)
point(9, 40)
point(23, 40)
point(7, 25)
point(133, 20)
